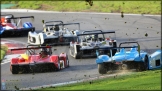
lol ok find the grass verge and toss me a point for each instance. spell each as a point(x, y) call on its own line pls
point(136, 7)
point(4, 49)
point(147, 80)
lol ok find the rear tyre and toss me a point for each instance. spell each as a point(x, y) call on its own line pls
point(102, 68)
point(143, 66)
point(79, 55)
point(59, 65)
point(57, 69)
point(14, 69)
point(76, 56)
point(146, 63)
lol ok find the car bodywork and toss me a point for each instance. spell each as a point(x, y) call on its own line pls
point(11, 25)
point(88, 41)
point(155, 60)
point(32, 61)
point(131, 59)
point(54, 34)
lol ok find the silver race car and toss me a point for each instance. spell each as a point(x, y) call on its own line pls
point(54, 34)
point(88, 41)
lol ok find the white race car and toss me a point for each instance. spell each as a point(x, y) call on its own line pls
point(54, 34)
point(89, 41)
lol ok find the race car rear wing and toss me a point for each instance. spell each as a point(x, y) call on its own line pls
point(35, 47)
point(110, 48)
point(26, 48)
point(61, 22)
point(95, 33)
point(8, 15)
point(64, 24)
point(128, 43)
point(131, 42)
point(21, 17)
point(91, 31)
point(40, 46)
point(44, 23)
point(19, 23)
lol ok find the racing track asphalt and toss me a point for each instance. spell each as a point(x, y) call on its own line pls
point(128, 28)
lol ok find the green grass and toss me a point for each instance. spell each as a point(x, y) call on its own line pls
point(3, 51)
point(147, 80)
point(4, 6)
point(136, 7)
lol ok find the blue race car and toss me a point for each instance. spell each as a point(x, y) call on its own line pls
point(10, 25)
point(131, 59)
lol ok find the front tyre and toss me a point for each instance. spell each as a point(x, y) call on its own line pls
point(76, 56)
point(145, 64)
point(102, 68)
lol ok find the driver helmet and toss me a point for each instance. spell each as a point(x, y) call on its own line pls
point(88, 37)
point(56, 28)
point(134, 48)
point(43, 51)
point(94, 37)
point(7, 20)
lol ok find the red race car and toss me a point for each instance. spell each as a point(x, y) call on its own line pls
point(38, 59)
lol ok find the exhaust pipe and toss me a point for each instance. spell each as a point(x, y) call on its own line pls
point(124, 67)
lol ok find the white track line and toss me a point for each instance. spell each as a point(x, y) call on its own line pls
point(7, 58)
point(71, 82)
